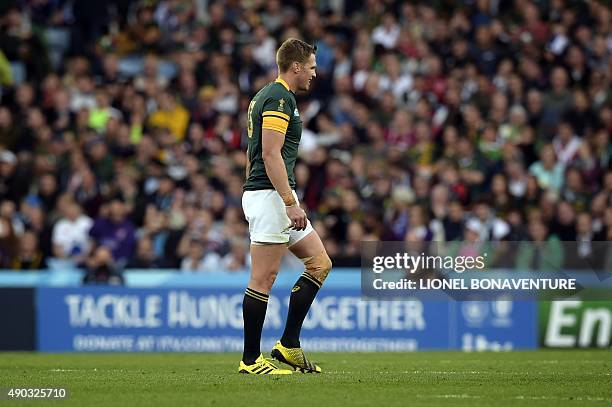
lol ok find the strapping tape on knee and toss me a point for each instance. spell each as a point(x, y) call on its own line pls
point(317, 268)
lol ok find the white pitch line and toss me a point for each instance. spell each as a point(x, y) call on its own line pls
point(451, 372)
point(578, 398)
point(487, 372)
point(545, 362)
point(468, 396)
point(447, 396)
point(465, 372)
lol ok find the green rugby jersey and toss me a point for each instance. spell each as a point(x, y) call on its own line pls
point(273, 107)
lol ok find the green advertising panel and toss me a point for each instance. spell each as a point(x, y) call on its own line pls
point(575, 324)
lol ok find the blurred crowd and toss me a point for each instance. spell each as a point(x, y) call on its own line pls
point(122, 126)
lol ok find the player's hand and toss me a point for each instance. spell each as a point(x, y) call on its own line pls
point(297, 216)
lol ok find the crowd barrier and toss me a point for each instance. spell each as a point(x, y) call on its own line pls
point(169, 311)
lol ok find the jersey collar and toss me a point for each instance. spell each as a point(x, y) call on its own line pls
point(282, 82)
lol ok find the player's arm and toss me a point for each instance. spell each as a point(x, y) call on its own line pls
point(272, 143)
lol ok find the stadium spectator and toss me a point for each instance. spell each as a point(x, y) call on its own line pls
point(114, 231)
point(145, 256)
point(418, 228)
point(238, 257)
point(566, 144)
point(563, 225)
point(558, 100)
point(442, 105)
point(586, 253)
point(9, 243)
point(71, 232)
point(575, 191)
point(170, 115)
point(101, 269)
point(11, 173)
point(492, 228)
point(29, 256)
point(453, 223)
point(198, 259)
point(35, 220)
point(386, 34)
point(8, 211)
point(471, 244)
point(542, 252)
point(548, 171)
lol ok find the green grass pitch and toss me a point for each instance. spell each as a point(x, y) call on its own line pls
point(537, 378)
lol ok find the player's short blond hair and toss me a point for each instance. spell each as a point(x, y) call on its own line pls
point(293, 50)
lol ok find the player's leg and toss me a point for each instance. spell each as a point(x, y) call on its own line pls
point(317, 265)
point(264, 211)
point(265, 260)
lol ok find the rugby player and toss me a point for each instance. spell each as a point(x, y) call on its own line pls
point(276, 220)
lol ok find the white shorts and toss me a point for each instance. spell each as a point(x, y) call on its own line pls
point(268, 222)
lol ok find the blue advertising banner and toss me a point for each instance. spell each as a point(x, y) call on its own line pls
point(495, 325)
point(94, 319)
